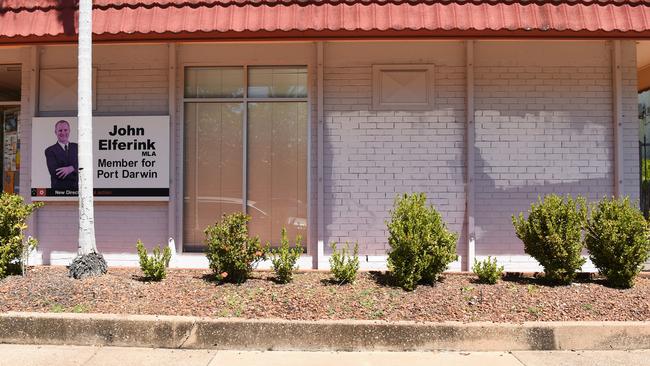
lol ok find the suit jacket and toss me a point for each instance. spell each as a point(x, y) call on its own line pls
point(56, 158)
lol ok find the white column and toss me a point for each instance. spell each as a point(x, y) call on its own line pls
point(469, 151)
point(34, 65)
point(617, 111)
point(320, 55)
point(172, 204)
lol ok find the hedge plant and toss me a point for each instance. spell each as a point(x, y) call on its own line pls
point(421, 246)
point(487, 270)
point(14, 247)
point(617, 238)
point(154, 266)
point(552, 234)
point(343, 265)
point(284, 258)
point(232, 254)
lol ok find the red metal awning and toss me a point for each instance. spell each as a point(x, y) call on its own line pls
point(54, 20)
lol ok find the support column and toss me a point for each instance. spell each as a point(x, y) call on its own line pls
point(172, 203)
point(33, 56)
point(320, 252)
point(617, 114)
point(469, 152)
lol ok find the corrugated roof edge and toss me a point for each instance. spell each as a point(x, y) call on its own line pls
point(294, 35)
point(45, 5)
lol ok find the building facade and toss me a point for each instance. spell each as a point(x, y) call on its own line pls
point(320, 135)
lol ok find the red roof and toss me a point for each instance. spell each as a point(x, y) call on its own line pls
point(54, 20)
point(15, 5)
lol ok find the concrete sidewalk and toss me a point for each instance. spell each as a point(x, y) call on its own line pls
point(32, 355)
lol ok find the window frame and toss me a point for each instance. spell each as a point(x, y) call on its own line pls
point(244, 101)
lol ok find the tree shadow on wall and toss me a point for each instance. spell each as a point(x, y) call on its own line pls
point(498, 198)
point(509, 176)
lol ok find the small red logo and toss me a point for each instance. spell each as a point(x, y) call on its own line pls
point(40, 192)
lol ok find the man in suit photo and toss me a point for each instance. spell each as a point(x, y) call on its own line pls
point(62, 159)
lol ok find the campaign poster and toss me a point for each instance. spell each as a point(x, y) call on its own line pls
point(130, 158)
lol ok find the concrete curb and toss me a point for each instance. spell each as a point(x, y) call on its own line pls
point(267, 334)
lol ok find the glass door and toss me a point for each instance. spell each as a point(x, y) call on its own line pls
point(10, 79)
point(10, 149)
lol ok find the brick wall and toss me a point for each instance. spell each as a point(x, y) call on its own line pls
point(372, 156)
point(543, 125)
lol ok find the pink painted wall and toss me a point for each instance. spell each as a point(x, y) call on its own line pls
point(372, 156)
point(131, 80)
point(543, 124)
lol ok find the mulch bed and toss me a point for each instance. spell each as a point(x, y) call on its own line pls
point(313, 296)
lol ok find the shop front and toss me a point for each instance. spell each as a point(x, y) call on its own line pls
point(314, 135)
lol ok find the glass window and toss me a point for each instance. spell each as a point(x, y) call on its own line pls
point(277, 169)
point(277, 82)
point(213, 165)
point(221, 82)
point(275, 189)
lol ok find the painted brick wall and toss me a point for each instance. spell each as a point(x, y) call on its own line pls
point(372, 156)
point(131, 80)
point(543, 125)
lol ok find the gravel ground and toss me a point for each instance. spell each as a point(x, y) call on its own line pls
point(312, 296)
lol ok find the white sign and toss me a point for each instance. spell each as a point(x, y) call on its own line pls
point(130, 155)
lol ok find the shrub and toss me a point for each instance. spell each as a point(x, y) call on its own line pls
point(155, 266)
point(617, 239)
point(487, 270)
point(14, 248)
point(344, 266)
point(421, 245)
point(552, 234)
point(232, 254)
point(285, 257)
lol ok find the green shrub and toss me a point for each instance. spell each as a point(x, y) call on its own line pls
point(285, 257)
point(155, 266)
point(552, 234)
point(421, 245)
point(14, 248)
point(617, 239)
point(344, 266)
point(232, 254)
point(487, 270)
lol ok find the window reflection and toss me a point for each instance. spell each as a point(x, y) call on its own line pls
point(277, 82)
point(221, 82)
point(213, 165)
point(276, 151)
